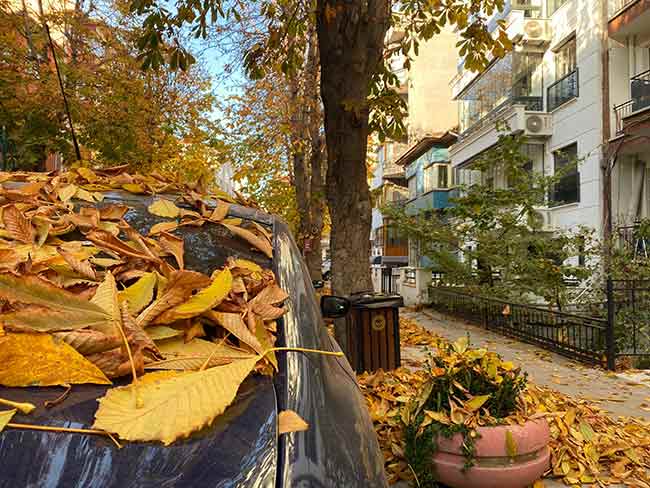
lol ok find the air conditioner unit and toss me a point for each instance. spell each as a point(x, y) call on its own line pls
point(538, 125)
point(541, 219)
point(536, 31)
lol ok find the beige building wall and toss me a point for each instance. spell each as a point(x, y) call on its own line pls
point(431, 108)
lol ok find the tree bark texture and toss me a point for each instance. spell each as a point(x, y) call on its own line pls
point(351, 39)
point(307, 157)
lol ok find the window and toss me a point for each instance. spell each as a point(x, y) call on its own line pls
point(567, 189)
point(565, 58)
point(412, 187)
point(553, 5)
point(443, 176)
point(429, 182)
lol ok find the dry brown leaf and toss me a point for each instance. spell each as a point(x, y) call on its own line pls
point(106, 240)
point(86, 341)
point(173, 245)
point(258, 242)
point(18, 226)
point(220, 211)
point(178, 289)
point(234, 324)
point(84, 268)
point(290, 421)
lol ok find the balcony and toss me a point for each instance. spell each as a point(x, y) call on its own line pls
point(431, 200)
point(563, 90)
point(629, 18)
point(507, 118)
point(635, 109)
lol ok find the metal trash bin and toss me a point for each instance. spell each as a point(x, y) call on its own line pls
point(373, 331)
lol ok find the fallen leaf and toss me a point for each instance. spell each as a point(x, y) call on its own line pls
point(476, 402)
point(5, 418)
point(140, 293)
point(57, 364)
point(290, 421)
point(234, 324)
point(174, 246)
point(17, 225)
point(203, 300)
point(258, 242)
point(164, 208)
point(173, 408)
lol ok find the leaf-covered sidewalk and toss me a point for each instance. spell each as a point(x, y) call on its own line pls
point(619, 394)
point(599, 421)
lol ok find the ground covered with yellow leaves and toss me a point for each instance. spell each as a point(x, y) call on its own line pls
point(588, 446)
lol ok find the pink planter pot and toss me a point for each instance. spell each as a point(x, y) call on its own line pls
point(493, 467)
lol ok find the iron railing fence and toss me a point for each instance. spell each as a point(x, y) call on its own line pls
point(629, 307)
point(575, 336)
point(639, 99)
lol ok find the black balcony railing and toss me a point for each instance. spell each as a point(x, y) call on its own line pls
point(640, 91)
point(563, 90)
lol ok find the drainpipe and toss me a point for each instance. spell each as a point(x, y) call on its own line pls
point(606, 166)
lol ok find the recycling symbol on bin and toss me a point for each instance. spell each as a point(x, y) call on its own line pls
point(378, 321)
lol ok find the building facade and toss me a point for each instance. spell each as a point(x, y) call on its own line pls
point(426, 91)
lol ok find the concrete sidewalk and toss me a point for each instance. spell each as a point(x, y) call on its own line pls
point(619, 394)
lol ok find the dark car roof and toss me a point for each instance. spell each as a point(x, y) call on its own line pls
point(239, 446)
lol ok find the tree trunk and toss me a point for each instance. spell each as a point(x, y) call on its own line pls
point(351, 38)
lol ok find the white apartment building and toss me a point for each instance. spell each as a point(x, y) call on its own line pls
point(573, 61)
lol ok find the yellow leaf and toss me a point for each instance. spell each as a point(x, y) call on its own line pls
point(538, 484)
point(164, 208)
point(140, 293)
point(85, 195)
point(40, 360)
point(263, 338)
point(172, 408)
point(247, 265)
point(106, 298)
point(133, 188)
point(476, 402)
point(67, 192)
point(511, 445)
point(586, 431)
point(260, 243)
point(161, 332)
point(290, 421)
point(460, 345)
point(440, 417)
point(88, 174)
point(205, 299)
point(570, 416)
point(5, 418)
point(64, 310)
point(162, 227)
point(184, 356)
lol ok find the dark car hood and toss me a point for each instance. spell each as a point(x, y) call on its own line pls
point(238, 450)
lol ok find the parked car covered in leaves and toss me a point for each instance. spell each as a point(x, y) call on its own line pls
point(156, 334)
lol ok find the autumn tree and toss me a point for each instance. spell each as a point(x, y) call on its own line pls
point(153, 120)
point(355, 81)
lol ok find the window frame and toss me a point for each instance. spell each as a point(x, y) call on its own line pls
point(564, 156)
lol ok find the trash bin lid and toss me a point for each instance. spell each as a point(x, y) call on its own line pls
point(375, 299)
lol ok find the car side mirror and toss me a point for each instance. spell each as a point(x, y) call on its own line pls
point(334, 307)
point(318, 284)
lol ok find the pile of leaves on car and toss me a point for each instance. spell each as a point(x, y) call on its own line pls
point(588, 446)
point(86, 298)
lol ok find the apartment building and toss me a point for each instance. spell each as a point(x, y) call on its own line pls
point(577, 84)
point(628, 26)
point(549, 88)
point(431, 112)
